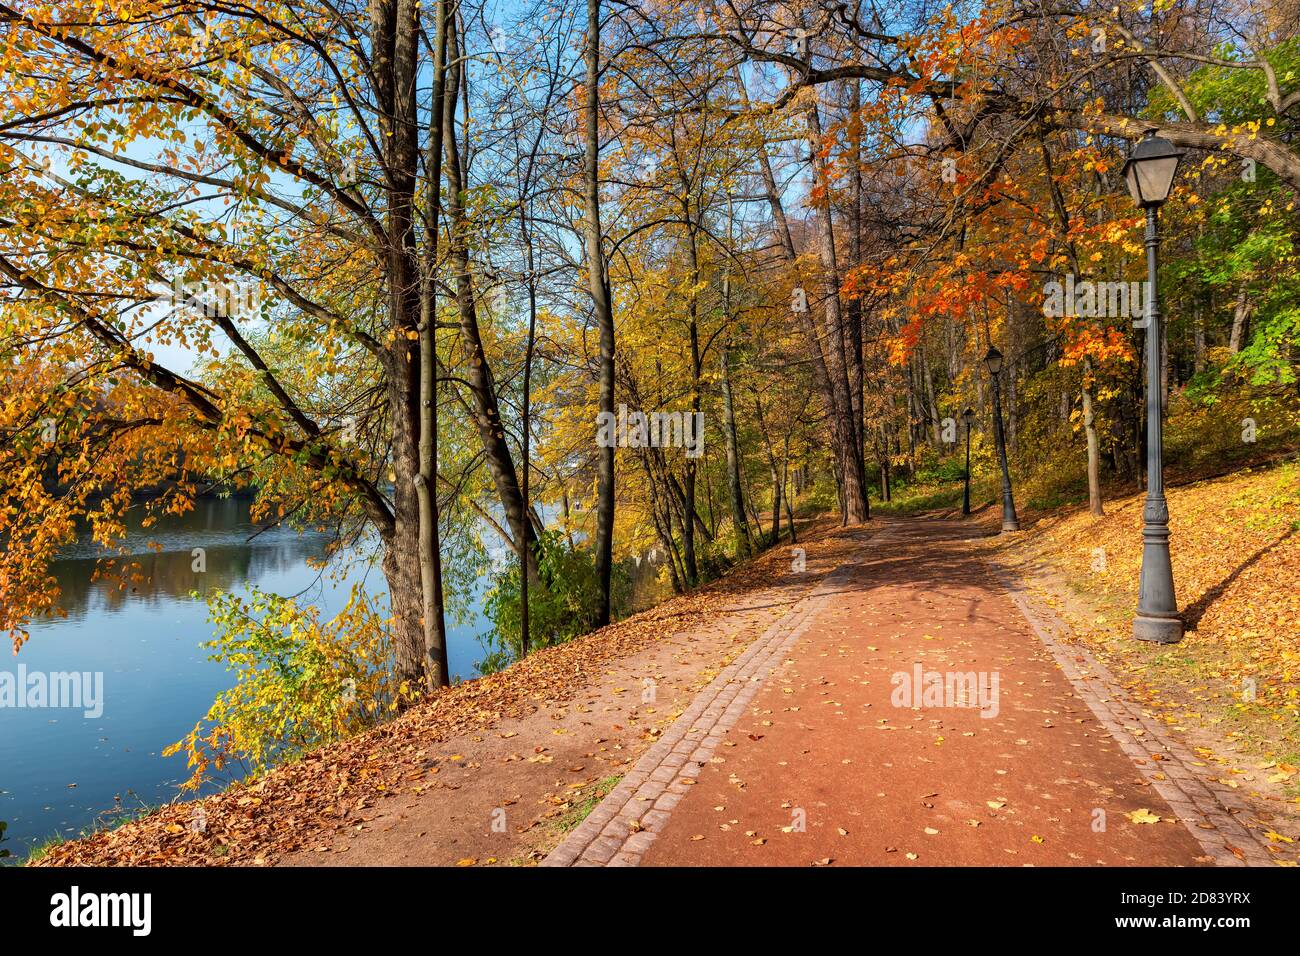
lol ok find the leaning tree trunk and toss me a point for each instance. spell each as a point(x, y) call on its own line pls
point(487, 410)
point(833, 402)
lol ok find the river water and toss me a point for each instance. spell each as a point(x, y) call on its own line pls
point(62, 771)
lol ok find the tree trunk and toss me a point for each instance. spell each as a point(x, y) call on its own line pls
point(525, 411)
point(679, 496)
point(1239, 313)
point(688, 541)
point(857, 374)
point(744, 543)
point(932, 413)
point(393, 34)
point(1198, 331)
point(1094, 448)
point(778, 476)
point(1164, 366)
point(915, 415)
point(829, 376)
point(785, 493)
point(844, 436)
point(662, 520)
point(603, 308)
point(1013, 404)
point(884, 462)
point(435, 624)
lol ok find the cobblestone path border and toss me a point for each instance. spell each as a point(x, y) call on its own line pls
point(1204, 806)
point(624, 825)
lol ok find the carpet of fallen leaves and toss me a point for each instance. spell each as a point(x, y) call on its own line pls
point(292, 807)
point(1236, 556)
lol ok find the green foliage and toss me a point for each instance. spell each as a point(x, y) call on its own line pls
point(1247, 243)
point(1206, 431)
point(1266, 359)
point(713, 558)
point(1229, 95)
point(939, 478)
point(937, 468)
point(561, 606)
point(1248, 248)
point(821, 497)
point(300, 683)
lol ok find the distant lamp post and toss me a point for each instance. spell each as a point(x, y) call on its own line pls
point(1149, 172)
point(993, 362)
point(967, 416)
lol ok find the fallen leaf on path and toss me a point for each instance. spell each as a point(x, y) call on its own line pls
point(1143, 816)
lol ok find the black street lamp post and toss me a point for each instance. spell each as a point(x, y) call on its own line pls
point(1149, 172)
point(993, 361)
point(967, 416)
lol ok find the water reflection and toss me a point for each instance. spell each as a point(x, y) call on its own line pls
point(60, 771)
point(161, 563)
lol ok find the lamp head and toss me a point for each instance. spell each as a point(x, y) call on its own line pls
point(1150, 170)
point(993, 360)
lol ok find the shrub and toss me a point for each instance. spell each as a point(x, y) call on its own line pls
point(561, 605)
point(300, 683)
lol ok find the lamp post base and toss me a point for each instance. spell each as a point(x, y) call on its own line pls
point(1159, 630)
point(1010, 524)
point(1157, 607)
